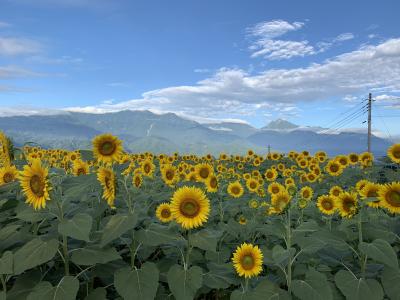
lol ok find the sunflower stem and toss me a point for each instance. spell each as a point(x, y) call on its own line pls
point(64, 241)
point(288, 245)
point(188, 250)
point(363, 258)
point(246, 285)
point(4, 284)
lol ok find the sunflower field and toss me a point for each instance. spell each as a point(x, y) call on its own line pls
point(106, 224)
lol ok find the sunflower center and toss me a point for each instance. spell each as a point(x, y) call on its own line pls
point(37, 185)
point(107, 148)
point(189, 208)
point(253, 185)
point(247, 262)
point(165, 213)
point(396, 153)
point(372, 193)
point(327, 205)
point(393, 198)
point(213, 182)
point(146, 168)
point(81, 171)
point(204, 173)
point(306, 194)
point(169, 174)
point(348, 205)
point(137, 181)
point(334, 168)
point(235, 190)
point(275, 190)
point(8, 177)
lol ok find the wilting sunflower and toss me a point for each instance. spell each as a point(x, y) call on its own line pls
point(371, 190)
point(235, 189)
point(190, 207)
point(389, 196)
point(80, 167)
point(247, 260)
point(335, 191)
point(107, 148)
point(347, 204)
point(34, 183)
point(163, 212)
point(334, 168)
point(281, 200)
point(326, 204)
point(203, 171)
point(394, 153)
point(306, 193)
point(212, 184)
point(106, 177)
point(8, 174)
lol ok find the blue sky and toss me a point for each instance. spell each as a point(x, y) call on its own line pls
point(309, 62)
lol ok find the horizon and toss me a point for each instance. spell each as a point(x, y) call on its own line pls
point(254, 63)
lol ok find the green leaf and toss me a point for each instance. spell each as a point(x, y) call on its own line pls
point(78, 227)
point(23, 285)
point(357, 288)
point(269, 291)
point(2, 296)
point(380, 251)
point(94, 255)
point(8, 231)
point(220, 276)
point(34, 253)
point(117, 226)
point(281, 256)
point(390, 282)
point(138, 283)
point(184, 283)
point(314, 287)
point(6, 263)
point(156, 235)
point(206, 239)
point(97, 294)
point(66, 289)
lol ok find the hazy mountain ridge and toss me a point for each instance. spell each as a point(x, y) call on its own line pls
point(167, 133)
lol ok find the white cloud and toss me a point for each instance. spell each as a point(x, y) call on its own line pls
point(9, 72)
point(10, 46)
point(65, 59)
point(237, 93)
point(4, 24)
point(344, 37)
point(273, 29)
point(279, 49)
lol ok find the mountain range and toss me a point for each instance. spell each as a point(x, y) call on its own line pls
point(167, 133)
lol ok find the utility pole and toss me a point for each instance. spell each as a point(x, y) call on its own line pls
point(369, 121)
point(269, 149)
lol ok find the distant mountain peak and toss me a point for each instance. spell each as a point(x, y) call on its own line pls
point(280, 124)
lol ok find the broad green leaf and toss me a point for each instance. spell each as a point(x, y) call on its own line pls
point(78, 227)
point(94, 255)
point(184, 283)
point(34, 253)
point(390, 282)
point(66, 289)
point(116, 226)
point(357, 288)
point(23, 285)
point(156, 235)
point(2, 296)
point(380, 251)
point(205, 239)
point(219, 276)
point(6, 263)
point(269, 291)
point(281, 256)
point(7, 231)
point(137, 284)
point(27, 214)
point(314, 287)
point(97, 294)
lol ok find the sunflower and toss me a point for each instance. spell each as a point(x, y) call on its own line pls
point(107, 148)
point(333, 168)
point(8, 174)
point(137, 180)
point(169, 174)
point(247, 260)
point(253, 203)
point(326, 204)
point(353, 158)
point(252, 185)
point(106, 177)
point(212, 184)
point(389, 196)
point(242, 220)
point(306, 193)
point(34, 183)
point(394, 153)
point(147, 167)
point(280, 200)
point(275, 188)
point(235, 189)
point(163, 212)
point(335, 191)
point(371, 190)
point(203, 171)
point(343, 160)
point(80, 168)
point(190, 207)
point(366, 159)
point(361, 184)
point(271, 174)
point(347, 204)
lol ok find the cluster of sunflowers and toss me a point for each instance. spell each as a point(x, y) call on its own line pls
point(270, 183)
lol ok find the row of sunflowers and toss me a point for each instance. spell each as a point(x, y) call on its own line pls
point(104, 223)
